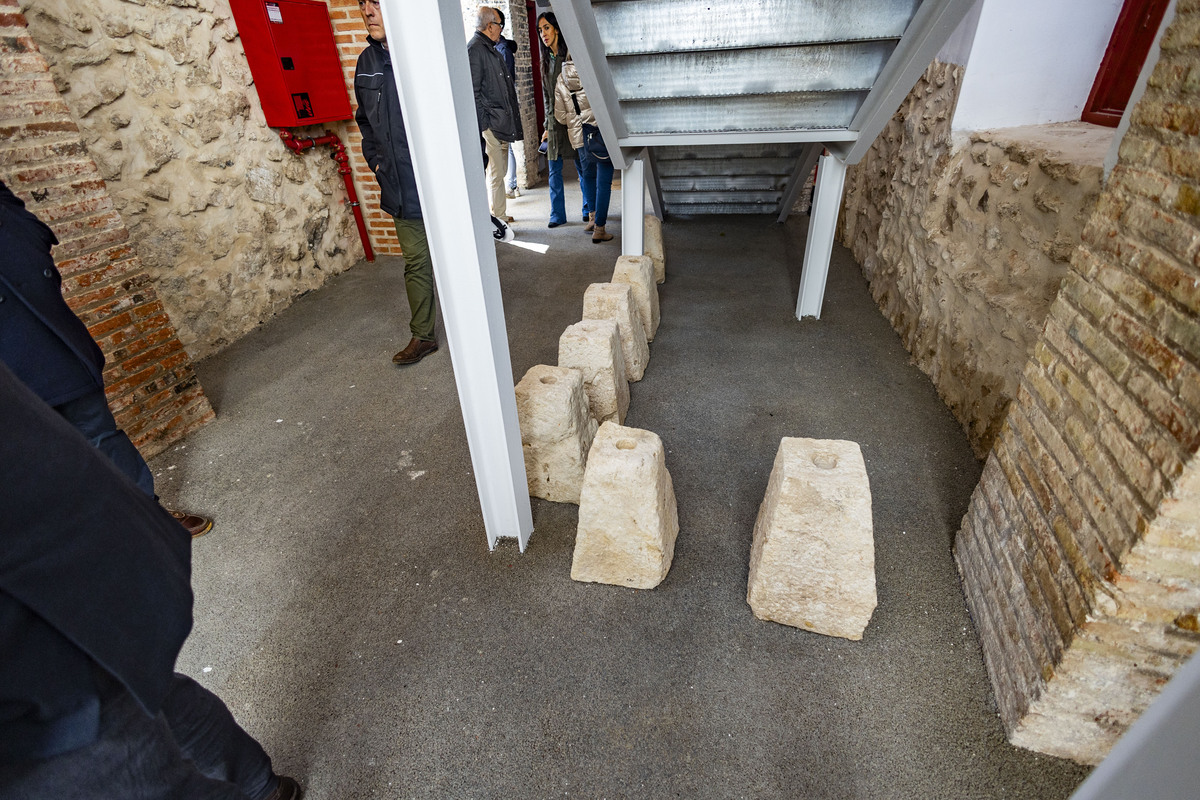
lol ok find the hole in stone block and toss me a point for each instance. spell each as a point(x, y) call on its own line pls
point(825, 460)
point(548, 379)
point(626, 444)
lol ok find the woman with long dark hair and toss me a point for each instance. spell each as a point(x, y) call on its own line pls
point(556, 137)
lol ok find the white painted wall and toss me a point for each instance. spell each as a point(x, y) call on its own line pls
point(1033, 62)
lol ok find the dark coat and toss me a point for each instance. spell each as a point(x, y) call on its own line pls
point(495, 93)
point(41, 339)
point(508, 49)
point(558, 140)
point(94, 574)
point(384, 139)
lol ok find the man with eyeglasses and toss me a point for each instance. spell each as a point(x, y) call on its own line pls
point(385, 147)
point(495, 104)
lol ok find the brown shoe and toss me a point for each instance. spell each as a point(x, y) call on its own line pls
point(287, 789)
point(414, 352)
point(196, 525)
point(591, 223)
point(599, 235)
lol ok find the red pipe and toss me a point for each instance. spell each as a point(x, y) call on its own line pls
point(298, 146)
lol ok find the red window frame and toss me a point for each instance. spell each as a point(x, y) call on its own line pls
point(1132, 37)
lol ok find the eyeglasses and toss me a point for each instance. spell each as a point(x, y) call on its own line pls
point(497, 24)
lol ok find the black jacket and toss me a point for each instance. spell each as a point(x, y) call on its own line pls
point(94, 575)
point(495, 94)
point(41, 339)
point(384, 140)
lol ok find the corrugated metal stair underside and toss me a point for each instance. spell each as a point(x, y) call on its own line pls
point(727, 97)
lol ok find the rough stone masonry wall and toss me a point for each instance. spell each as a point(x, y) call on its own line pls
point(230, 226)
point(152, 388)
point(964, 244)
point(1080, 552)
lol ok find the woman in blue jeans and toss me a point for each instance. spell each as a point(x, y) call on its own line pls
point(558, 143)
point(572, 109)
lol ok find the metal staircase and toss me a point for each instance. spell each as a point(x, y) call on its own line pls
point(730, 104)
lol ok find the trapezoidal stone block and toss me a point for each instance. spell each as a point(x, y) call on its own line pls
point(652, 245)
point(628, 520)
point(556, 431)
point(615, 301)
point(638, 272)
point(812, 564)
point(593, 347)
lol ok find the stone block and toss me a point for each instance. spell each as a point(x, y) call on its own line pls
point(593, 347)
point(556, 431)
point(628, 520)
point(615, 301)
point(652, 245)
point(638, 272)
point(812, 563)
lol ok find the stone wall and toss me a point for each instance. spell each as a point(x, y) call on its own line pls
point(965, 240)
point(1080, 552)
point(231, 227)
point(152, 388)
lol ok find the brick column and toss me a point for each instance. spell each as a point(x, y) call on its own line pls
point(1080, 553)
point(152, 387)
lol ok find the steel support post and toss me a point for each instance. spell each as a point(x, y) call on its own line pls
point(827, 201)
point(633, 207)
point(804, 167)
point(429, 59)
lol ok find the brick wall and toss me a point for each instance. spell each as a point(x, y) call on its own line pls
point(350, 34)
point(1080, 552)
point(151, 385)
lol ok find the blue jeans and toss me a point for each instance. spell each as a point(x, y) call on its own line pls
point(558, 198)
point(193, 748)
point(596, 180)
point(91, 416)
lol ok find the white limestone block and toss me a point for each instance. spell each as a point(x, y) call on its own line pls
point(812, 564)
point(628, 520)
point(638, 272)
point(615, 301)
point(556, 431)
point(652, 245)
point(593, 347)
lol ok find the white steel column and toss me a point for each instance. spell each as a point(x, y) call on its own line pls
point(827, 201)
point(633, 207)
point(429, 57)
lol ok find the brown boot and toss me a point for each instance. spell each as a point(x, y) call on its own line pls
point(591, 223)
point(598, 235)
point(196, 524)
point(414, 352)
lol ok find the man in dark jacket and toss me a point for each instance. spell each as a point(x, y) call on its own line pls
point(495, 104)
point(385, 146)
point(95, 602)
point(50, 349)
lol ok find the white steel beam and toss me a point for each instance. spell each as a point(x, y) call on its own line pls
point(640, 140)
point(827, 201)
point(804, 166)
point(429, 59)
point(934, 23)
point(578, 25)
point(653, 184)
point(633, 207)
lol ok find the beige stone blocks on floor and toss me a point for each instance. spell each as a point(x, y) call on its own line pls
point(812, 563)
point(628, 520)
point(652, 245)
point(556, 431)
point(593, 347)
point(638, 272)
point(615, 301)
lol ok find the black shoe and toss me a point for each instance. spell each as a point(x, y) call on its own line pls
point(414, 352)
point(287, 789)
point(553, 224)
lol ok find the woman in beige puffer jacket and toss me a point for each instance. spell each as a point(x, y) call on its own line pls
point(572, 109)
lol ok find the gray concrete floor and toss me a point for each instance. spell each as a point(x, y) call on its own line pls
point(348, 610)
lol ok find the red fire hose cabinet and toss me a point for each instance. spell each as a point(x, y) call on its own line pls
point(289, 45)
